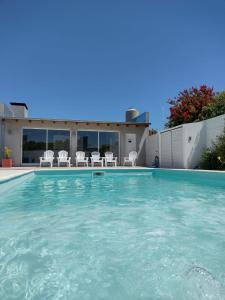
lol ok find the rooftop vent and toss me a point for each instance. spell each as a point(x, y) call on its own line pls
point(131, 114)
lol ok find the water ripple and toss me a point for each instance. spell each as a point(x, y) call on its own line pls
point(112, 237)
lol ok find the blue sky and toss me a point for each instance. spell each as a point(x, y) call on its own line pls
point(93, 59)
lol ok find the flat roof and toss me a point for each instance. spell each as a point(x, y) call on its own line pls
point(75, 121)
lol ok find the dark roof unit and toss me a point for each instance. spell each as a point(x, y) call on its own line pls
point(19, 104)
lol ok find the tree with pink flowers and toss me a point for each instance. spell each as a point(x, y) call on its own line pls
point(188, 105)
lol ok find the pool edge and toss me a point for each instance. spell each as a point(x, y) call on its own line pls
point(15, 176)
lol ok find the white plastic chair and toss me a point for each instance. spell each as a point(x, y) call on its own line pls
point(63, 158)
point(47, 158)
point(110, 159)
point(95, 158)
point(80, 158)
point(131, 159)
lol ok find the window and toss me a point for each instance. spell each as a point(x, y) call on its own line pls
point(109, 141)
point(34, 144)
point(36, 141)
point(58, 140)
point(102, 141)
point(87, 141)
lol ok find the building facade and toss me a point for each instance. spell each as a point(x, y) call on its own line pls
point(28, 138)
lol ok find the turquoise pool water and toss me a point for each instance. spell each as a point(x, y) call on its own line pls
point(146, 235)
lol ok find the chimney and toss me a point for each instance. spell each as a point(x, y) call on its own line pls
point(19, 109)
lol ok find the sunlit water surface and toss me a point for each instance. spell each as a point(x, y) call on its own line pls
point(118, 236)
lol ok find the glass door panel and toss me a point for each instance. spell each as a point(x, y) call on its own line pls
point(87, 141)
point(58, 140)
point(34, 145)
point(109, 141)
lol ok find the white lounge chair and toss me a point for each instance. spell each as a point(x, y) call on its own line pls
point(131, 159)
point(110, 159)
point(63, 158)
point(47, 158)
point(95, 158)
point(80, 158)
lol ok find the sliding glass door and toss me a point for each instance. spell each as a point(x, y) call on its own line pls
point(36, 141)
point(34, 144)
point(87, 141)
point(101, 141)
point(109, 141)
point(58, 140)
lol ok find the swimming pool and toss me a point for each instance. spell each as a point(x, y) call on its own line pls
point(122, 235)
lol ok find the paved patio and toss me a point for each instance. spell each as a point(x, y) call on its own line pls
point(6, 174)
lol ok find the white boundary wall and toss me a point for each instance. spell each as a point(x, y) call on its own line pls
point(182, 146)
point(1, 140)
point(152, 147)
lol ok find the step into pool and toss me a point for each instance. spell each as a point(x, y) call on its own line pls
point(138, 234)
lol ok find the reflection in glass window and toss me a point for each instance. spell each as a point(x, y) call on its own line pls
point(58, 140)
point(34, 144)
point(87, 141)
point(102, 141)
point(36, 141)
point(109, 141)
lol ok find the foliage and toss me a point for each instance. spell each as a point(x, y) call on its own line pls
point(213, 158)
point(152, 131)
point(187, 107)
point(214, 109)
point(7, 152)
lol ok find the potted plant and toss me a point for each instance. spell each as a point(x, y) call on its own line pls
point(7, 161)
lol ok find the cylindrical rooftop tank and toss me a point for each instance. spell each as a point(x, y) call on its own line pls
point(131, 113)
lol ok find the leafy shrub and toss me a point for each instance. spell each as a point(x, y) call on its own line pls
point(214, 109)
point(187, 107)
point(213, 158)
point(210, 161)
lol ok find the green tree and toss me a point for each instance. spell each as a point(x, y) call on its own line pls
point(214, 109)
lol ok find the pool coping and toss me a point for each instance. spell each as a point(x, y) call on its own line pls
point(191, 170)
point(25, 171)
point(14, 174)
point(10, 177)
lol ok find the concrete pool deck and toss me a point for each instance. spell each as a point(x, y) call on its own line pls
point(9, 173)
